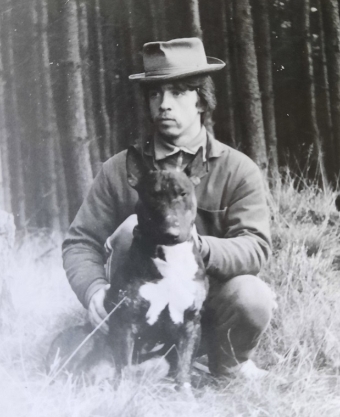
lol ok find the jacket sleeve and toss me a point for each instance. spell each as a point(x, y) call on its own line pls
point(245, 244)
point(98, 217)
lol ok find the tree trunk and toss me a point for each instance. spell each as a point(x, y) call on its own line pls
point(105, 123)
point(13, 124)
point(159, 19)
point(77, 155)
point(138, 106)
point(230, 16)
point(163, 7)
point(229, 113)
point(249, 86)
point(117, 77)
point(5, 187)
point(330, 11)
point(195, 20)
point(154, 19)
point(48, 129)
point(264, 60)
point(326, 117)
point(309, 74)
point(87, 85)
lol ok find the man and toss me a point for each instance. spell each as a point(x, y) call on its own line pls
point(232, 220)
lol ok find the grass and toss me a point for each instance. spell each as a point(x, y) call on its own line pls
point(300, 349)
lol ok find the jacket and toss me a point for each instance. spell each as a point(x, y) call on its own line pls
point(232, 218)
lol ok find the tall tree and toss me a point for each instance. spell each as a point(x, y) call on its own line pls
point(195, 20)
point(104, 118)
point(77, 155)
point(229, 112)
point(5, 186)
point(115, 74)
point(311, 102)
point(156, 34)
point(232, 37)
point(265, 68)
point(132, 49)
point(163, 6)
point(88, 94)
point(325, 103)
point(48, 129)
point(13, 122)
point(330, 11)
point(249, 86)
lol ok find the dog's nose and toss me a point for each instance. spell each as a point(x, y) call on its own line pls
point(172, 233)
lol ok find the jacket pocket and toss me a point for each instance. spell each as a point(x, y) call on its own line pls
point(211, 222)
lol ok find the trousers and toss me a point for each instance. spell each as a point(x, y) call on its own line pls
point(236, 312)
point(235, 315)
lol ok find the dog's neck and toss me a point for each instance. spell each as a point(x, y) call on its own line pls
point(153, 248)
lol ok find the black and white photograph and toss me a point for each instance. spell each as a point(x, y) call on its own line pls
point(169, 208)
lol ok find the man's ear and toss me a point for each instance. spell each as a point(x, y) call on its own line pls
point(200, 106)
point(195, 167)
point(135, 167)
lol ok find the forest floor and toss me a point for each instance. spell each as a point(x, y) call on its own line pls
point(301, 349)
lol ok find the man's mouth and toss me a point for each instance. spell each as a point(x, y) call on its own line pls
point(165, 119)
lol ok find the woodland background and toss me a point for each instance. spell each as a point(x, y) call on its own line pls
point(66, 104)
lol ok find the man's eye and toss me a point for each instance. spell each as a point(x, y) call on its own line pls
point(177, 93)
point(153, 94)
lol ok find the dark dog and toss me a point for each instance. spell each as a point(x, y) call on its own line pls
point(162, 278)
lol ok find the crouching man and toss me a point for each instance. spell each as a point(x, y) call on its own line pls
point(232, 220)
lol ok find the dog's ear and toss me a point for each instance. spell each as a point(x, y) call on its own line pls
point(195, 167)
point(135, 167)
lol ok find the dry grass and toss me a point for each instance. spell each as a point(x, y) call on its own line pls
point(301, 349)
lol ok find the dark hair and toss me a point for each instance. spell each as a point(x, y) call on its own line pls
point(205, 88)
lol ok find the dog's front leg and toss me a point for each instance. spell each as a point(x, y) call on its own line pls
point(187, 347)
point(122, 342)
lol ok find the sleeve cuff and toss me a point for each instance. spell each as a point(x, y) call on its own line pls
point(204, 249)
point(93, 288)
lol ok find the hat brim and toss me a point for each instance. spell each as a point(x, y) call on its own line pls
point(213, 64)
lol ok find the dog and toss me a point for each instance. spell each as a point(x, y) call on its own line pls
point(162, 279)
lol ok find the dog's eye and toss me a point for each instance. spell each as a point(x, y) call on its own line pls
point(183, 194)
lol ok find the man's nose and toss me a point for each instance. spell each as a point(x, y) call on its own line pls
point(166, 101)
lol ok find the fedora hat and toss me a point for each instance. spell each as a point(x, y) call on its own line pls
point(175, 59)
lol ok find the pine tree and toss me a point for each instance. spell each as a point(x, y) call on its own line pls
point(76, 152)
point(229, 90)
point(249, 86)
point(88, 95)
point(195, 21)
point(325, 103)
point(309, 76)
point(330, 11)
point(104, 118)
point(5, 187)
point(264, 60)
point(13, 123)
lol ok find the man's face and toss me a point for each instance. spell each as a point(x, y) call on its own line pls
point(176, 113)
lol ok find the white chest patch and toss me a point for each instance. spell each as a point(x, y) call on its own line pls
point(177, 289)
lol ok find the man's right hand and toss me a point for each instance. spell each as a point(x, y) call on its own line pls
point(96, 310)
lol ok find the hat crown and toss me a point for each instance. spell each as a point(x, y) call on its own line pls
point(178, 58)
point(160, 58)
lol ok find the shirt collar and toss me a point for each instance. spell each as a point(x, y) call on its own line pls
point(164, 149)
point(214, 148)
